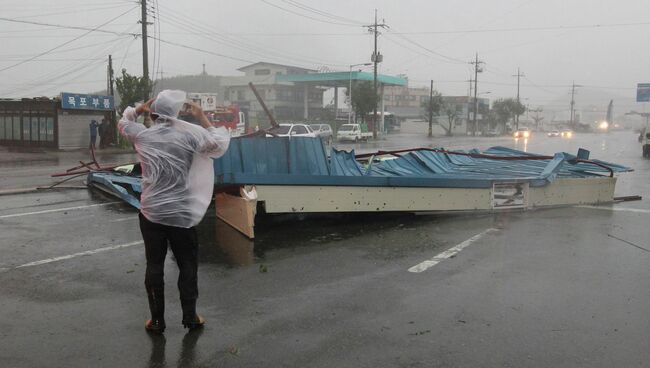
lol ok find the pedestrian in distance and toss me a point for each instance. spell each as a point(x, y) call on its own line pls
point(93, 126)
point(177, 183)
point(103, 134)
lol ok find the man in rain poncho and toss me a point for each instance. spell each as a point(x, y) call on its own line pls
point(177, 182)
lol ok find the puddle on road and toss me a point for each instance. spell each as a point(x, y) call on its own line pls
point(380, 236)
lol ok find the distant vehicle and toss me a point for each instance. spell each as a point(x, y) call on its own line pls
point(644, 138)
point(553, 133)
point(566, 133)
point(522, 133)
point(492, 133)
point(391, 122)
point(324, 131)
point(352, 132)
point(292, 130)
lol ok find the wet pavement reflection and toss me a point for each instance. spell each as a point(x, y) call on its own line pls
point(187, 356)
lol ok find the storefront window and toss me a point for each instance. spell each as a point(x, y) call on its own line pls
point(50, 128)
point(34, 120)
point(42, 128)
point(26, 128)
point(16, 136)
point(8, 127)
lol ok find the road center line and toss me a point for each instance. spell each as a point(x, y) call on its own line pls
point(55, 210)
point(125, 219)
point(75, 255)
point(421, 267)
point(616, 209)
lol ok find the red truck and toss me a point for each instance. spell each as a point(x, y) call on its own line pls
point(230, 117)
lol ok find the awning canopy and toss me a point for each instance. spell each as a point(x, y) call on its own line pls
point(340, 79)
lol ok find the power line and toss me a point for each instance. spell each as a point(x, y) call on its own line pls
point(203, 51)
point(96, 29)
point(448, 58)
point(86, 10)
point(307, 16)
point(321, 12)
point(63, 44)
point(181, 21)
point(528, 29)
point(71, 69)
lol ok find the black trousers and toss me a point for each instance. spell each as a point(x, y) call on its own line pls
point(184, 244)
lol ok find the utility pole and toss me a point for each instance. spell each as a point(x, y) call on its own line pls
point(111, 92)
point(431, 110)
point(477, 69)
point(573, 91)
point(376, 58)
point(111, 80)
point(518, 75)
point(469, 100)
point(145, 51)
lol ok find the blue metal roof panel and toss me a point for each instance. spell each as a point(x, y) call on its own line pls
point(303, 161)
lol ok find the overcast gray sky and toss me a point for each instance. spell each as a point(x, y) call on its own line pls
point(554, 42)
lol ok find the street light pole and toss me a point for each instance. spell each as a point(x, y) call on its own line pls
point(350, 89)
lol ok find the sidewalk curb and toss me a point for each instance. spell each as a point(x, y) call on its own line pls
point(18, 191)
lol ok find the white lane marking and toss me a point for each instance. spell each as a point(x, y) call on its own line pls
point(56, 210)
point(616, 209)
point(125, 219)
point(449, 252)
point(75, 255)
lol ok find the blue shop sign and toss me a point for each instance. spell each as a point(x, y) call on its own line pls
point(643, 92)
point(76, 101)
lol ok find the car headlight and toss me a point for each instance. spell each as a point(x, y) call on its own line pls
point(526, 134)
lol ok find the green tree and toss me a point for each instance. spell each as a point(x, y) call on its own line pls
point(432, 106)
point(452, 113)
point(505, 109)
point(131, 88)
point(364, 99)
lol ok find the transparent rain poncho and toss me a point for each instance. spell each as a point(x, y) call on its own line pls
point(176, 159)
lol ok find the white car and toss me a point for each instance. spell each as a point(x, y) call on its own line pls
point(292, 130)
point(522, 133)
point(553, 133)
point(324, 131)
point(352, 132)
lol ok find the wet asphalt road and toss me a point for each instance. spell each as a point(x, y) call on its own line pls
point(562, 288)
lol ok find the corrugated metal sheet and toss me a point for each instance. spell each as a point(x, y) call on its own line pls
point(303, 161)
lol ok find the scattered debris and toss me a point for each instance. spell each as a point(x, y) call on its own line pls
point(263, 268)
point(627, 242)
point(628, 198)
point(419, 333)
point(233, 350)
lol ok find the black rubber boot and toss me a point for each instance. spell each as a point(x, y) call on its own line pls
point(157, 308)
point(155, 326)
point(191, 320)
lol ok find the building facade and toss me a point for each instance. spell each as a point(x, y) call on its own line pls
point(58, 123)
point(405, 102)
point(285, 100)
